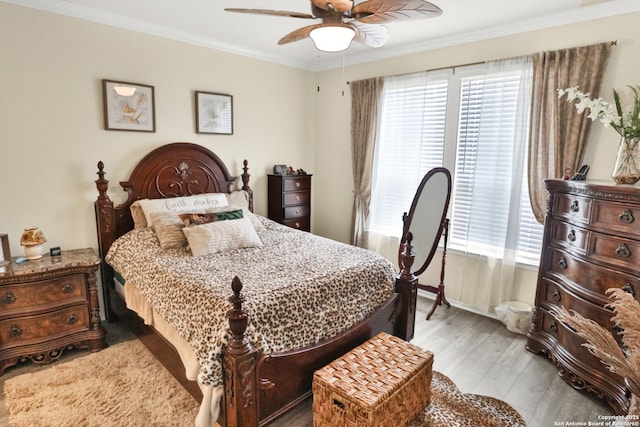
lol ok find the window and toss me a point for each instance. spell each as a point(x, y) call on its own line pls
point(474, 121)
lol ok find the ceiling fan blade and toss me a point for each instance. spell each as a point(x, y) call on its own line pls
point(333, 5)
point(377, 11)
point(272, 12)
point(299, 34)
point(372, 35)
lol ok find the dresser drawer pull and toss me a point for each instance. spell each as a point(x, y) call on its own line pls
point(626, 216)
point(572, 236)
point(297, 211)
point(297, 224)
point(15, 331)
point(72, 319)
point(553, 326)
point(628, 288)
point(562, 263)
point(298, 184)
point(9, 298)
point(68, 288)
point(575, 207)
point(297, 198)
point(556, 295)
point(623, 251)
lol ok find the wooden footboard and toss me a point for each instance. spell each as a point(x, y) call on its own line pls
point(261, 387)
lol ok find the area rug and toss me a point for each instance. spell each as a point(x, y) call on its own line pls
point(451, 408)
point(122, 385)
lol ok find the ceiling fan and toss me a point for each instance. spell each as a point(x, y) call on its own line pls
point(344, 20)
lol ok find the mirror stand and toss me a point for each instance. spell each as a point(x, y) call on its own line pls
point(439, 290)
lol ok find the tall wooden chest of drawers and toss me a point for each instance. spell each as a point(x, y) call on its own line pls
point(290, 200)
point(591, 243)
point(48, 306)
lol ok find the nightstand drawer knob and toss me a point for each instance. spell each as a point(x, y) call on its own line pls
point(553, 326)
point(297, 198)
point(297, 225)
point(9, 298)
point(72, 319)
point(556, 295)
point(15, 331)
point(626, 216)
point(298, 184)
point(68, 288)
point(562, 263)
point(623, 251)
point(572, 236)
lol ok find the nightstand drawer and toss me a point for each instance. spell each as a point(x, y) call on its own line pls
point(45, 294)
point(34, 329)
point(297, 198)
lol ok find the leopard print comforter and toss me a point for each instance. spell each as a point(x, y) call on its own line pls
point(299, 288)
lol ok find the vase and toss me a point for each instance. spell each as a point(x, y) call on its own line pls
point(625, 169)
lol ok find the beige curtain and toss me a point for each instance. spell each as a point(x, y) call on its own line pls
point(558, 135)
point(364, 113)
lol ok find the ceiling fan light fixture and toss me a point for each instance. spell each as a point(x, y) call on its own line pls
point(332, 38)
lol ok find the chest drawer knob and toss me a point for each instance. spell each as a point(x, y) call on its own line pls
point(626, 216)
point(556, 295)
point(623, 251)
point(628, 288)
point(9, 298)
point(572, 236)
point(562, 263)
point(68, 288)
point(553, 326)
point(15, 331)
point(575, 207)
point(72, 319)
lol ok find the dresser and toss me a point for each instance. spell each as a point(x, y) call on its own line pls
point(290, 200)
point(48, 306)
point(591, 243)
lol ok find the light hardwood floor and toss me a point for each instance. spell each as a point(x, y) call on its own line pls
point(478, 353)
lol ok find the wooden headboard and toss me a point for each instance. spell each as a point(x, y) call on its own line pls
point(173, 170)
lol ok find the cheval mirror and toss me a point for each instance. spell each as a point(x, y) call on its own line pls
point(423, 227)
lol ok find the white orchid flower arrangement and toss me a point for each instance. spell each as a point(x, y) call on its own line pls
point(623, 115)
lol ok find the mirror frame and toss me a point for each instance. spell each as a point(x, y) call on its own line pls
point(408, 218)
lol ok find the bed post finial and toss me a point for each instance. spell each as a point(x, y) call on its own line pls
point(407, 288)
point(245, 183)
point(101, 183)
point(407, 257)
point(239, 362)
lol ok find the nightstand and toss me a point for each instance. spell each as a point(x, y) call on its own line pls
point(290, 200)
point(48, 306)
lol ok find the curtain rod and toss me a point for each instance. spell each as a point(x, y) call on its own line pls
point(612, 42)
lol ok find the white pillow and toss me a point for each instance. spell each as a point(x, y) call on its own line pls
point(221, 236)
point(195, 203)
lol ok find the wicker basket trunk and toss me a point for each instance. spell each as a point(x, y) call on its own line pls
point(384, 382)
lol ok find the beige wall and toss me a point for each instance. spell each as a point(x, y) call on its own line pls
point(51, 125)
point(52, 132)
point(333, 153)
